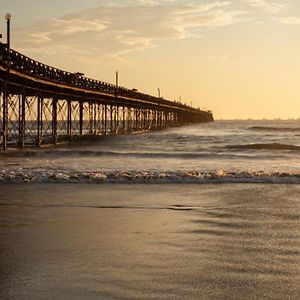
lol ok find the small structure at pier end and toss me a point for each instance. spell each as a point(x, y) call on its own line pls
point(40, 104)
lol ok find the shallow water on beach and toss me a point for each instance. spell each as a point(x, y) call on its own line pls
point(233, 241)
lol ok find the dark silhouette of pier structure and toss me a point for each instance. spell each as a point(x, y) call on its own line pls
point(40, 104)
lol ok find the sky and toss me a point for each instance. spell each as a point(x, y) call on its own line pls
point(238, 58)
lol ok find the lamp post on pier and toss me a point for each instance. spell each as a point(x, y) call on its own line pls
point(117, 78)
point(8, 18)
point(158, 89)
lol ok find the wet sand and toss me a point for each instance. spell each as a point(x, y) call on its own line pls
point(65, 241)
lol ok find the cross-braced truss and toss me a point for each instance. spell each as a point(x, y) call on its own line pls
point(30, 119)
point(1, 115)
point(75, 118)
point(62, 119)
point(46, 132)
point(13, 108)
point(86, 118)
point(37, 117)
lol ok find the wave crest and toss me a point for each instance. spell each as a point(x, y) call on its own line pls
point(270, 128)
point(267, 146)
point(140, 177)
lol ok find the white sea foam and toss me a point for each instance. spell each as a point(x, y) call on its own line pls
point(140, 177)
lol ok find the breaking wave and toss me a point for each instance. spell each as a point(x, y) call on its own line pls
point(140, 177)
point(129, 154)
point(263, 146)
point(270, 128)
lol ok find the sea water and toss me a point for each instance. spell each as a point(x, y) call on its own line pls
point(208, 211)
point(219, 152)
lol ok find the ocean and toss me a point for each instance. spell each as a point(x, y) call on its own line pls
point(208, 211)
point(219, 152)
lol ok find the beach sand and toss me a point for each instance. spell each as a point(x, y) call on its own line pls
point(76, 241)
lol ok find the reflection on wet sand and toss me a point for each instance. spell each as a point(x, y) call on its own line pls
point(149, 241)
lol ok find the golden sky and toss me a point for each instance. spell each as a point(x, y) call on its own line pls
point(239, 58)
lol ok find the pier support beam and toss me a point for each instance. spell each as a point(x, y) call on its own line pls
point(69, 120)
point(123, 119)
point(22, 118)
point(54, 120)
point(80, 118)
point(91, 117)
point(39, 119)
point(105, 119)
point(111, 118)
point(5, 115)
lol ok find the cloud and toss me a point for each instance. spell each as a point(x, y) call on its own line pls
point(269, 6)
point(113, 31)
point(217, 59)
point(290, 20)
point(281, 11)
